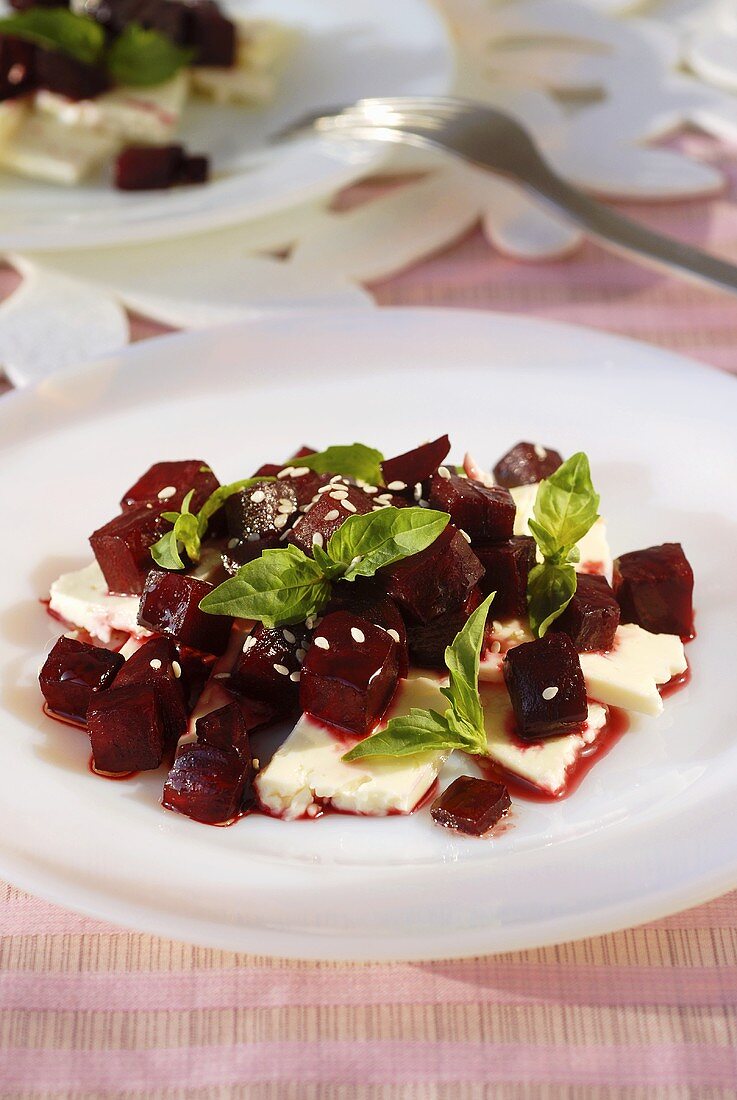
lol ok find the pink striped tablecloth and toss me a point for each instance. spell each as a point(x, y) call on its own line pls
point(88, 1010)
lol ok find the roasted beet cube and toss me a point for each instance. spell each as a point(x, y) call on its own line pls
point(546, 687)
point(428, 641)
point(261, 513)
point(167, 483)
point(268, 666)
point(592, 617)
point(57, 72)
point(414, 467)
point(269, 469)
point(304, 481)
point(194, 169)
point(123, 547)
point(170, 604)
point(327, 514)
point(365, 598)
point(654, 588)
point(196, 670)
point(226, 729)
point(526, 464)
point(212, 36)
point(438, 579)
point(158, 664)
point(126, 728)
point(73, 672)
point(507, 563)
point(471, 805)
point(238, 553)
point(350, 673)
point(483, 513)
point(207, 783)
point(17, 67)
point(148, 167)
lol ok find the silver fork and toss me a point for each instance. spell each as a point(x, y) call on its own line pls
point(494, 140)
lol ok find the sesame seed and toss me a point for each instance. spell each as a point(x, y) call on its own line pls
point(253, 536)
point(155, 664)
point(167, 492)
point(289, 637)
point(310, 622)
point(495, 647)
point(393, 634)
point(258, 496)
point(322, 643)
point(378, 507)
point(286, 472)
point(540, 452)
point(417, 490)
point(348, 505)
point(294, 677)
point(300, 471)
point(250, 640)
point(256, 763)
point(281, 669)
point(336, 479)
point(370, 489)
point(339, 494)
point(286, 507)
point(357, 635)
point(444, 472)
point(550, 693)
point(325, 488)
point(465, 534)
point(317, 539)
point(331, 515)
point(301, 654)
point(384, 498)
point(149, 504)
point(232, 543)
point(280, 521)
point(397, 486)
point(176, 669)
point(221, 676)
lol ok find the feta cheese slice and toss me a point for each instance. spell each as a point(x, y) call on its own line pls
point(308, 768)
point(149, 114)
point(546, 764)
point(45, 149)
point(262, 52)
point(505, 637)
point(629, 674)
point(82, 599)
point(596, 557)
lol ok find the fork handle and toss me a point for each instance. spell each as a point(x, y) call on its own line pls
point(626, 235)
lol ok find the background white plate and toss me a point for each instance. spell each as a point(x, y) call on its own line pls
point(346, 51)
point(650, 830)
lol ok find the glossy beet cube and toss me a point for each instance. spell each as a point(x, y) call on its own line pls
point(268, 666)
point(158, 664)
point(73, 672)
point(170, 604)
point(226, 729)
point(304, 482)
point(437, 580)
point(256, 519)
point(196, 670)
point(60, 73)
point(166, 484)
point(428, 641)
point(148, 167)
point(592, 617)
point(507, 563)
point(207, 783)
point(212, 36)
point(483, 513)
point(526, 464)
point(471, 805)
point(126, 728)
point(123, 547)
point(414, 467)
point(194, 169)
point(365, 598)
point(350, 673)
point(546, 687)
point(327, 514)
point(654, 588)
point(17, 67)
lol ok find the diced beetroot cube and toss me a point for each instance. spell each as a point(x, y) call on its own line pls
point(73, 672)
point(438, 579)
point(196, 670)
point(350, 673)
point(507, 563)
point(226, 729)
point(483, 513)
point(327, 514)
point(428, 641)
point(123, 547)
point(268, 667)
point(59, 73)
point(304, 481)
point(546, 687)
point(414, 467)
point(212, 35)
point(158, 664)
point(126, 729)
point(166, 484)
point(269, 469)
point(471, 805)
point(194, 169)
point(256, 519)
point(654, 588)
point(170, 604)
point(207, 783)
point(592, 617)
point(17, 67)
point(365, 598)
point(303, 452)
point(148, 167)
point(526, 464)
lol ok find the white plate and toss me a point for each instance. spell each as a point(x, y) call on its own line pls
point(653, 828)
point(346, 51)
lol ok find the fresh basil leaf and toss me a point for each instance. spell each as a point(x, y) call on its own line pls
point(566, 507)
point(418, 731)
point(165, 552)
point(364, 544)
point(462, 660)
point(143, 57)
point(329, 569)
point(550, 588)
point(355, 460)
point(279, 588)
point(58, 29)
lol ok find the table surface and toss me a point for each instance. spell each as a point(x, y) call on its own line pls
point(88, 1010)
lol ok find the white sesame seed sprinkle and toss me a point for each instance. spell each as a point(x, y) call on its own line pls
point(550, 693)
point(495, 647)
point(310, 622)
point(301, 654)
point(286, 507)
point(348, 505)
point(294, 677)
point(286, 472)
point(336, 479)
point(393, 634)
point(176, 669)
point(417, 490)
point(289, 637)
point(317, 539)
point(250, 640)
point(540, 452)
point(256, 763)
point(357, 635)
point(221, 676)
point(331, 515)
point(397, 486)
point(444, 472)
point(167, 492)
point(281, 669)
point(253, 536)
point(322, 643)
point(325, 488)
point(232, 543)
point(300, 471)
point(339, 494)
point(378, 507)
point(465, 534)
point(280, 521)
point(370, 489)
point(155, 664)
point(258, 496)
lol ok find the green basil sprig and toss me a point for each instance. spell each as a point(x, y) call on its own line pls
point(566, 508)
point(462, 724)
point(354, 460)
point(286, 586)
point(58, 29)
point(189, 529)
point(141, 57)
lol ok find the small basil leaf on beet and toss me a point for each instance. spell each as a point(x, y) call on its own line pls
point(58, 29)
point(364, 544)
point(141, 57)
point(279, 588)
point(550, 588)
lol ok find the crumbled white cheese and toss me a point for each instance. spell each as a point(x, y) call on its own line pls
point(629, 674)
